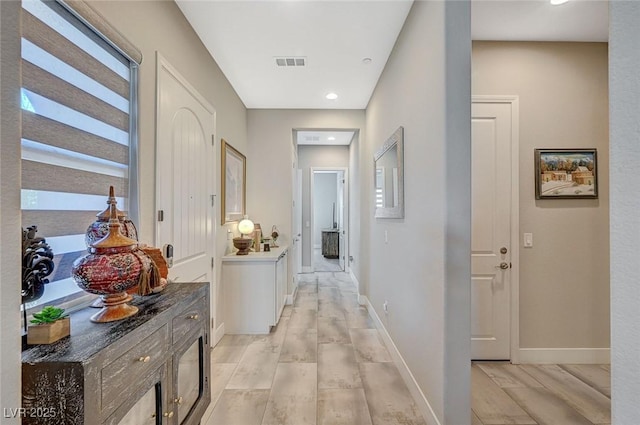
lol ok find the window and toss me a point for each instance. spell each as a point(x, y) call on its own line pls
point(78, 131)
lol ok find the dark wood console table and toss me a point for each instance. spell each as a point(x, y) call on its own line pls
point(151, 368)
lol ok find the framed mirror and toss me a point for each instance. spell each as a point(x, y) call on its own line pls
point(389, 177)
point(234, 187)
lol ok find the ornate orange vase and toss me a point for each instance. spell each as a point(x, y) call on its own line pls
point(113, 265)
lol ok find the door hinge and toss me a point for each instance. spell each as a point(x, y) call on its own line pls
point(213, 140)
point(213, 200)
point(160, 215)
point(213, 262)
point(206, 338)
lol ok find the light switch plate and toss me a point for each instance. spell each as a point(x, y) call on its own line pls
point(528, 240)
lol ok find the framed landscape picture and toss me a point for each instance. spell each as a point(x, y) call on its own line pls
point(566, 173)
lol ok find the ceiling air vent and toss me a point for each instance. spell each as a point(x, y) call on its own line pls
point(309, 139)
point(291, 61)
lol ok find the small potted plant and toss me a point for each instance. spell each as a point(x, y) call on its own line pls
point(49, 325)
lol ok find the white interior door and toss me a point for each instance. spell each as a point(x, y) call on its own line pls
point(491, 231)
point(185, 177)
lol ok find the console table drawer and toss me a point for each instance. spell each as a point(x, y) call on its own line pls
point(119, 375)
point(186, 320)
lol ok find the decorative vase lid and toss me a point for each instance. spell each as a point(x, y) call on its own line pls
point(105, 215)
point(114, 238)
point(98, 229)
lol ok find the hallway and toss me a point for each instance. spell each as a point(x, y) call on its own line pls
point(325, 363)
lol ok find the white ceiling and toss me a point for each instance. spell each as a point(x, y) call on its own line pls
point(245, 37)
point(324, 137)
point(539, 20)
point(334, 36)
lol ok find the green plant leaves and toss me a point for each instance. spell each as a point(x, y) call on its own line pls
point(48, 314)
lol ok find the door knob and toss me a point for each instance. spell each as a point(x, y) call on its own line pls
point(503, 266)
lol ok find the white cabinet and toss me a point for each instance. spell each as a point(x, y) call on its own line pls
point(255, 290)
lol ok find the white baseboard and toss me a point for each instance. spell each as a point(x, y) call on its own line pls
point(217, 335)
point(362, 299)
point(423, 404)
point(292, 297)
point(565, 355)
point(307, 269)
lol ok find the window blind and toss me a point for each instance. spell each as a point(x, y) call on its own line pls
point(78, 129)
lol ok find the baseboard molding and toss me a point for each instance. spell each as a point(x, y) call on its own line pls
point(565, 355)
point(362, 299)
point(307, 269)
point(292, 297)
point(218, 334)
point(423, 404)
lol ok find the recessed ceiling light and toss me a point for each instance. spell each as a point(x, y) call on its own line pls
point(331, 138)
point(366, 61)
point(332, 96)
point(558, 2)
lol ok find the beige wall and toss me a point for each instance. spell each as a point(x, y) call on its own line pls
point(424, 269)
point(270, 154)
point(564, 278)
point(315, 156)
point(160, 26)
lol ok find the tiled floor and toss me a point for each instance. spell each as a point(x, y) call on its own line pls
point(322, 264)
point(324, 364)
point(503, 393)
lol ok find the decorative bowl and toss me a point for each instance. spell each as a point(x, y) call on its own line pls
point(243, 245)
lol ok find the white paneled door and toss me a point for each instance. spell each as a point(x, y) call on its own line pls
point(491, 256)
point(185, 177)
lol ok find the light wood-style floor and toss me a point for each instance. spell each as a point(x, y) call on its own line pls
point(324, 364)
point(322, 264)
point(502, 393)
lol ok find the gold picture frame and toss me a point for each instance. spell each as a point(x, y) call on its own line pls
point(234, 184)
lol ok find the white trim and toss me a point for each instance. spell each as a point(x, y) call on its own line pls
point(565, 355)
point(421, 400)
point(515, 216)
point(307, 269)
point(217, 335)
point(291, 298)
point(362, 299)
point(345, 206)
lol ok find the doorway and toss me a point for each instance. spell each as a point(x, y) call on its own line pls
point(328, 212)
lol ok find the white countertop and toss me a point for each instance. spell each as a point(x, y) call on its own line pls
point(272, 255)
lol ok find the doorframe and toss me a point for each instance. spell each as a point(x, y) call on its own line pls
point(513, 101)
point(345, 203)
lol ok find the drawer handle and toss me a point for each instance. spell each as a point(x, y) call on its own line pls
point(194, 317)
point(168, 414)
point(178, 400)
point(144, 359)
